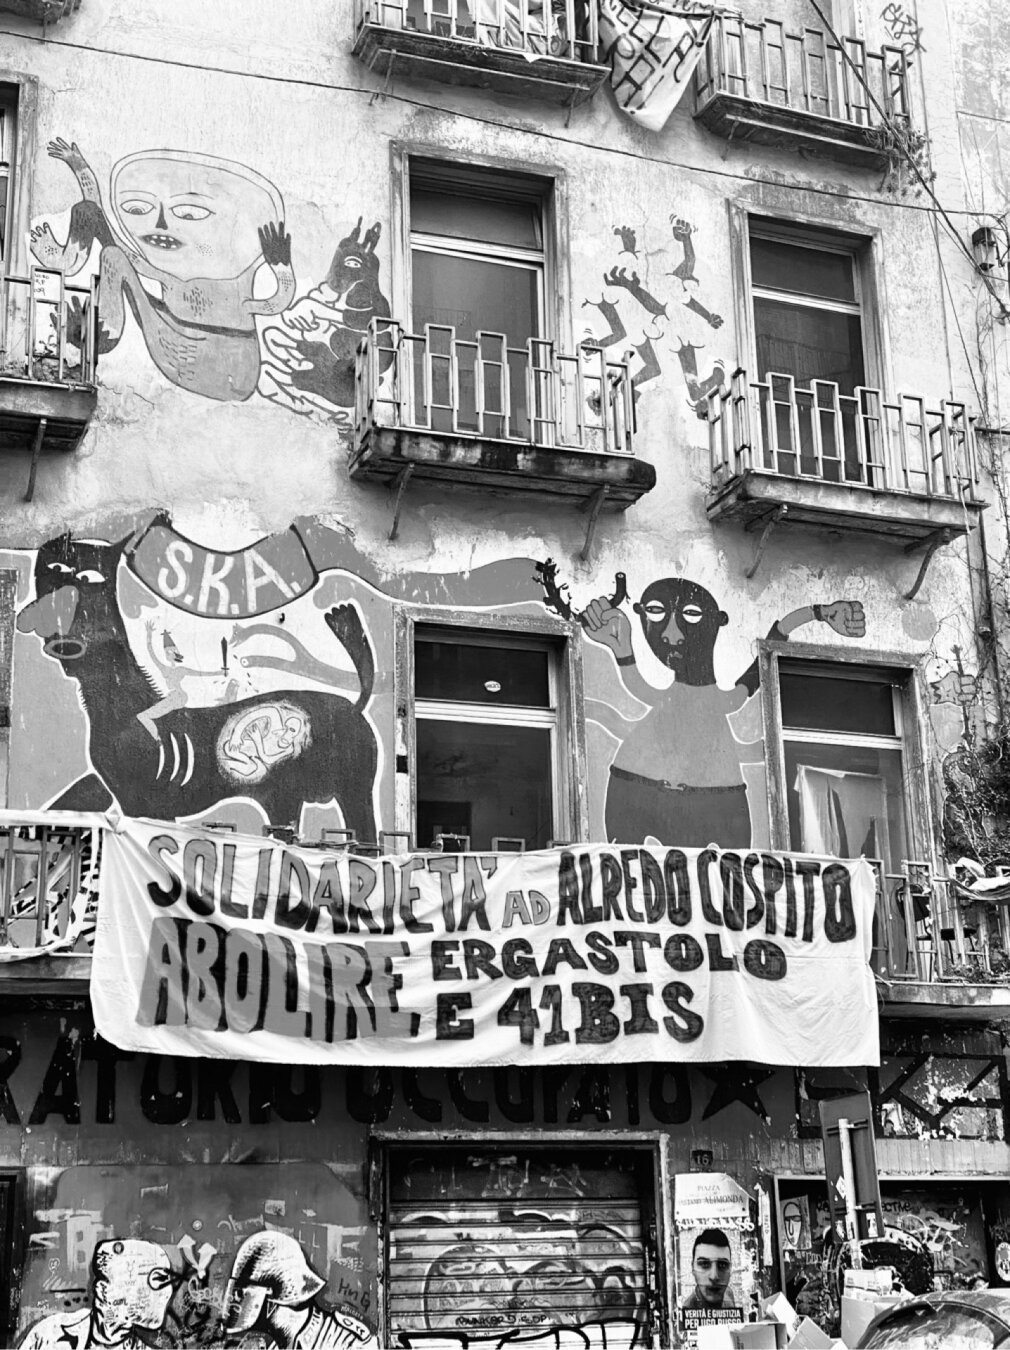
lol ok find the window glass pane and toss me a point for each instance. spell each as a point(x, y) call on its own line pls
point(469, 673)
point(487, 219)
point(834, 703)
point(470, 294)
point(802, 271)
point(493, 780)
point(809, 344)
point(846, 800)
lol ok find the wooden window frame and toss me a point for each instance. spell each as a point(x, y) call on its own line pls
point(651, 1142)
point(571, 821)
point(866, 250)
point(546, 184)
point(21, 92)
point(910, 695)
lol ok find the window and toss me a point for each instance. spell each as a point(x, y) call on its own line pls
point(844, 756)
point(8, 125)
point(478, 276)
point(486, 739)
point(516, 1241)
point(807, 308)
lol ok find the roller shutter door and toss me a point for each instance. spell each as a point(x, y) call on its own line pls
point(508, 1244)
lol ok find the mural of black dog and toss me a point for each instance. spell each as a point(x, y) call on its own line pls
point(280, 749)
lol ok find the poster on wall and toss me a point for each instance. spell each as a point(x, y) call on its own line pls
point(237, 947)
point(716, 1252)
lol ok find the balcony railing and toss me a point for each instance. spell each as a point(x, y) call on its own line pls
point(48, 328)
point(762, 81)
point(48, 883)
point(928, 930)
point(538, 48)
point(42, 11)
point(566, 29)
point(863, 442)
point(483, 388)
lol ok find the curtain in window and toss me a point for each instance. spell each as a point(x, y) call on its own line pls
point(842, 814)
point(653, 56)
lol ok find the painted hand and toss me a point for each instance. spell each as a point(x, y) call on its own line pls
point(715, 320)
point(275, 244)
point(609, 626)
point(682, 229)
point(302, 316)
point(845, 617)
point(618, 276)
point(954, 688)
point(69, 152)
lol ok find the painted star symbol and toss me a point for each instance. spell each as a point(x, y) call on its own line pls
point(737, 1083)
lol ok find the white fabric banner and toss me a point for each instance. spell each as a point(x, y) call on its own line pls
point(242, 948)
point(653, 54)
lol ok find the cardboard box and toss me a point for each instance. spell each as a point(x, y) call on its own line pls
point(744, 1336)
point(809, 1336)
point(858, 1313)
point(779, 1309)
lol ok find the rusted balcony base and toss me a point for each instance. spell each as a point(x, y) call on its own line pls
point(392, 51)
point(953, 1002)
point(905, 516)
point(42, 11)
point(37, 416)
point(383, 453)
point(744, 119)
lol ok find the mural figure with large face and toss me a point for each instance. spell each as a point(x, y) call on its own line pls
point(274, 1290)
point(676, 777)
point(133, 1284)
point(191, 233)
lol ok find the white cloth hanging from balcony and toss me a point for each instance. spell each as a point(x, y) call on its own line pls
point(653, 52)
point(842, 813)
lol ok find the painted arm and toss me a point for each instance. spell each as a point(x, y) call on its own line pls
point(300, 662)
point(70, 154)
point(608, 309)
point(611, 627)
point(682, 231)
point(276, 248)
point(618, 276)
point(846, 617)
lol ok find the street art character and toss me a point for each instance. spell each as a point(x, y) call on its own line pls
point(712, 1268)
point(309, 361)
point(154, 754)
point(274, 1290)
point(693, 321)
point(677, 777)
point(197, 229)
point(133, 1284)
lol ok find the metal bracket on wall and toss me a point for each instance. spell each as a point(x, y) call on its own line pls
point(932, 543)
point(770, 521)
point(594, 505)
point(399, 487)
point(377, 93)
point(40, 433)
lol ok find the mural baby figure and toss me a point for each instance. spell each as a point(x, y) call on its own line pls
point(191, 234)
point(677, 775)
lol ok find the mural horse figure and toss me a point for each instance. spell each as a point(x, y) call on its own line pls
point(280, 749)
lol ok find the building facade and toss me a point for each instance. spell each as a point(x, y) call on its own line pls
point(407, 445)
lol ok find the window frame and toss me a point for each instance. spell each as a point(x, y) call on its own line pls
point(545, 183)
point(570, 802)
point(866, 250)
point(910, 699)
point(21, 91)
point(655, 1144)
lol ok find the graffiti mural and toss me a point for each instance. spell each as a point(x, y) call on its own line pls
point(691, 323)
point(309, 351)
point(157, 749)
point(677, 772)
point(197, 1256)
point(200, 230)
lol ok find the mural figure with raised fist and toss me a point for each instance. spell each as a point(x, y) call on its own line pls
point(676, 777)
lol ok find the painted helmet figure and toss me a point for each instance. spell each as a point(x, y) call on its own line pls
point(268, 1268)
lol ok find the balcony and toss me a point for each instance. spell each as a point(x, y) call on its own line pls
point(48, 360)
point(479, 413)
point(48, 897)
point(536, 49)
point(850, 462)
point(42, 11)
point(761, 82)
point(941, 948)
